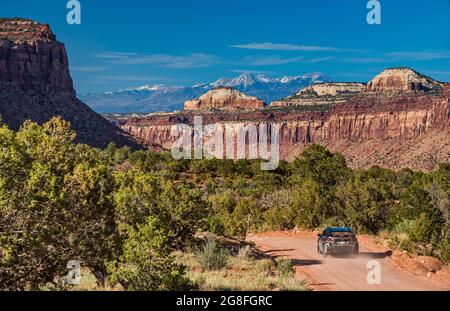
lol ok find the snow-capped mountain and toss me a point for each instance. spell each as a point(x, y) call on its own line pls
point(156, 87)
point(152, 98)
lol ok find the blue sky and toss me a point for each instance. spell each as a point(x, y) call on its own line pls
point(129, 43)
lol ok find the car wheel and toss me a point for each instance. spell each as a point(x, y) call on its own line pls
point(325, 251)
point(318, 249)
point(355, 252)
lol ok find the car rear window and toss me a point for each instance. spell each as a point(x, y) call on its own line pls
point(340, 234)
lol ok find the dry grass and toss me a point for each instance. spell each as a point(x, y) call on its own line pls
point(240, 275)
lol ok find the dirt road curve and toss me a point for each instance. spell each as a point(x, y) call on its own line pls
point(338, 274)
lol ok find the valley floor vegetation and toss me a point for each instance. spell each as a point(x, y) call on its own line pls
point(134, 219)
point(219, 265)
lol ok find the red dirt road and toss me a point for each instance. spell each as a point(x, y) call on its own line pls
point(342, 273)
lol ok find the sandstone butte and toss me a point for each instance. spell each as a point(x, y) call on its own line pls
point(402, 80)
point(35, 84)
point(400, 119)
point(224, 98)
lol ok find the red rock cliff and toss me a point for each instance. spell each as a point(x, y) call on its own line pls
point(395, 132)
point(31, 58)
point(35, 84)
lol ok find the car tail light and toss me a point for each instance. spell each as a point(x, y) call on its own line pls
point(329, 239)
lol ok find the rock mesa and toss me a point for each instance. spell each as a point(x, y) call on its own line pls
point(322, 94)
point(224, 98)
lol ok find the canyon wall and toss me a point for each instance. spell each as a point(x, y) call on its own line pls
point(411, 131)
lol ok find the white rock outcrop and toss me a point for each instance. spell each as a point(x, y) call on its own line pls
point(402, 80)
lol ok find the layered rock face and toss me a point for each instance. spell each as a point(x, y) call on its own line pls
point(224, 98)
point(322, 94)
point(402, 80)
point(408, 130)
point(31, 58)
point(35, 84)
point(25, 31)
point(333, 89)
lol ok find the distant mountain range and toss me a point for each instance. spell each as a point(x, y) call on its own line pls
point(153, 98)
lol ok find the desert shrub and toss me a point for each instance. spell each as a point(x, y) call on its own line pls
point(55, 206)
point(139, 195)
point(443, 248)
point(314, 177)
point(309, 205)
point(146, 263)
point(422, 215)
point(279, 218)
point(224, 201)
point(228, 184)
point(199, 167)
point(223, 205)
point(244, 252)
point(366, 200)
point(243, 217)
point(205, 167)
point(264, 267)
point(226, 168)
point(322, 166)
point(185, 211)
point(154, 218)
point(285, 267)
point(241, 186)
point(278, 213)
point(121, 155)
point(421, 231)
point(210, 186)
point(233, 216)
point(166, 174)
point(418, 236)
point(243, 167)
point(214, 225)
point(400, 235)
point(212, 256)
